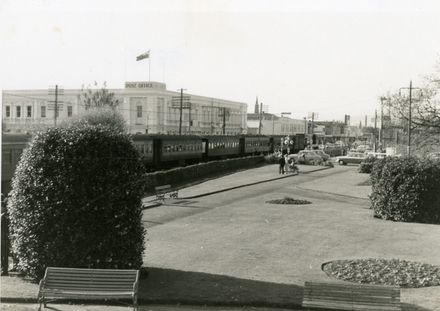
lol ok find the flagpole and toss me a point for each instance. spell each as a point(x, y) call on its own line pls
point(149, 66)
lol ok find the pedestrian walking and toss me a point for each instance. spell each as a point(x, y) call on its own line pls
point(282, 163)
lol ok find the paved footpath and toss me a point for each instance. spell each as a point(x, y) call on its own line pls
point(242, 178)
point(17, 294)
point(81, 307)
point(285, 245)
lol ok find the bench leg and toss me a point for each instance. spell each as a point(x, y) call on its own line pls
point(135, 304)
point(42, 302)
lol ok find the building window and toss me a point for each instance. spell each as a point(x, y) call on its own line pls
point(29, 111)
point(43, 111)
point(69, 111)
point(18, 115)
point(8, 111)
point(139, 111)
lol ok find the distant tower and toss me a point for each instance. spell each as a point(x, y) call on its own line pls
point(257, 108)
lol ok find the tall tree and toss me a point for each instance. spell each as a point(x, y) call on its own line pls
point(425, 112)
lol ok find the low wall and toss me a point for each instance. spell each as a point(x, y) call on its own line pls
point(181, 175)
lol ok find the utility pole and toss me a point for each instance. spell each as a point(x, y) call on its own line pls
point(259, 118)
point(410, 118)
point(189, 116)
point(305, 125)
point(212, 116)
point(224, 120)
point(273, 124)
point(409, 113)
point(375, 129)
point(57, 91)
point(56, 104)
point(181, 109)
point(382, 99)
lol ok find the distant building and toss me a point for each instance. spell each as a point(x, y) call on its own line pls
point(274, 125)
point(147, 107)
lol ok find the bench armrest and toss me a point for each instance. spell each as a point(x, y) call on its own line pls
point(42, 283)
point(135, 287)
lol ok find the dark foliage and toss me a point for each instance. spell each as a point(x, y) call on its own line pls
point(366, 165)
point(198, 171)
point(392, 272)
point(406, 189)
point(288, 200)
point(76, 201)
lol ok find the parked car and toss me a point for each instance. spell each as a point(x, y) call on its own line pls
point(379, 155)
point(351, 158)
point(323, 155)
point(308, 157)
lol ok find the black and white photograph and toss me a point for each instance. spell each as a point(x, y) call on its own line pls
point(220, 155)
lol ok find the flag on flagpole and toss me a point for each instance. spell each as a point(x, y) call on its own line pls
point(144, 55)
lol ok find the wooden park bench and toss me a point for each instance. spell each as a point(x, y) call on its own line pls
point(70, 283)
point(162, 191)
point(351, 296)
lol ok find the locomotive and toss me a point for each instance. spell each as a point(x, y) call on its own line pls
point(164, 151)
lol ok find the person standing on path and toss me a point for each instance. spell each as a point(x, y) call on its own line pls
point(282, 163)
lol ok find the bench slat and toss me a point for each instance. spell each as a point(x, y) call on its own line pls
point(351, 296)
point(89, 284)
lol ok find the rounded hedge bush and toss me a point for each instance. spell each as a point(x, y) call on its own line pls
point(76, 201)
point(406, 189)
point(366, 165)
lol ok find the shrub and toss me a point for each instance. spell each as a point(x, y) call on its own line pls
point(406, 189)
point(103, 116)
point(197, 171)
point(76, 201)
point(366, 165)
point(272, 158)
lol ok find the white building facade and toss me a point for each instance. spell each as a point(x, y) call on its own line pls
point(270, 124)
point(147, 107)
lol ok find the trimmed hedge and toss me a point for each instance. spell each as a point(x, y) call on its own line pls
point(76, 201)
point(195, 172)
point(406, 189)
point(366, 165)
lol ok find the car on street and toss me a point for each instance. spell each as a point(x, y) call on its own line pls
point(379, 155)
point(323, 155)
point(308, 157)
point(351, 158)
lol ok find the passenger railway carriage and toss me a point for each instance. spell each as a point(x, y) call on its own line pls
point(162, 151)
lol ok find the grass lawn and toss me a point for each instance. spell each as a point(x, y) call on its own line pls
point(255, 243)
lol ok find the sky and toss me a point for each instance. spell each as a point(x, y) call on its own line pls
point(328, 57)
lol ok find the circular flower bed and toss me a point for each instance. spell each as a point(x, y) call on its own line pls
point(394, 272)
point(288, 200)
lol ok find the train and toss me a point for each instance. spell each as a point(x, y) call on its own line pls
point(165, 151)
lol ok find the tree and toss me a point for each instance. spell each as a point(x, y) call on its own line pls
point(425, 112)
point(100, 109)
point(99, 98)
point(103, 116)
point(76, 201)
